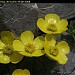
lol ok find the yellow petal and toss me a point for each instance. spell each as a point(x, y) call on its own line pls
point(57, 32)
point(27, 37)
point(15, 57)
point(42, 25)
point(47, 51)
point(39, 42)
point(50, 40)
point(4, 58)
point(62, 25)
point(52, 18)
point(61, 58)
point(60, 31)
point(18, 72)
point(38, 53)
point(18, 45)
point(7, 37)
point(26, 54)
point(26, 72)
point(63, 47)
point(1, 45)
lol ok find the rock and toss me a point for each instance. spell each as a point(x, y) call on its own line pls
point(19, 17)
point(64, 10)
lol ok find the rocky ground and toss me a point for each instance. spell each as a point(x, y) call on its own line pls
point(18, 17)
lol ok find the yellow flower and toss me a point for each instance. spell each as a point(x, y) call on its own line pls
point(52, 24)
point(21, 72)
point(56, 51)
point(7, 53)
point(29, 46)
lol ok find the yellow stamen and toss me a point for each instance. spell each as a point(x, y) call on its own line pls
point(52, 27)
point(8, 50)
point(30, 48)
point(54, 51)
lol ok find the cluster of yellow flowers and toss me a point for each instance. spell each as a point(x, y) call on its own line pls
point(52, 26)
point(13, 49)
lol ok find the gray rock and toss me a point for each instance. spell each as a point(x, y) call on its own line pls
point(64, 10)
point(19, 17)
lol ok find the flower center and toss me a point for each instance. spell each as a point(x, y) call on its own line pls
point(54, 51)
point(30, 48)
point(8, 50)
point(52, 27)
